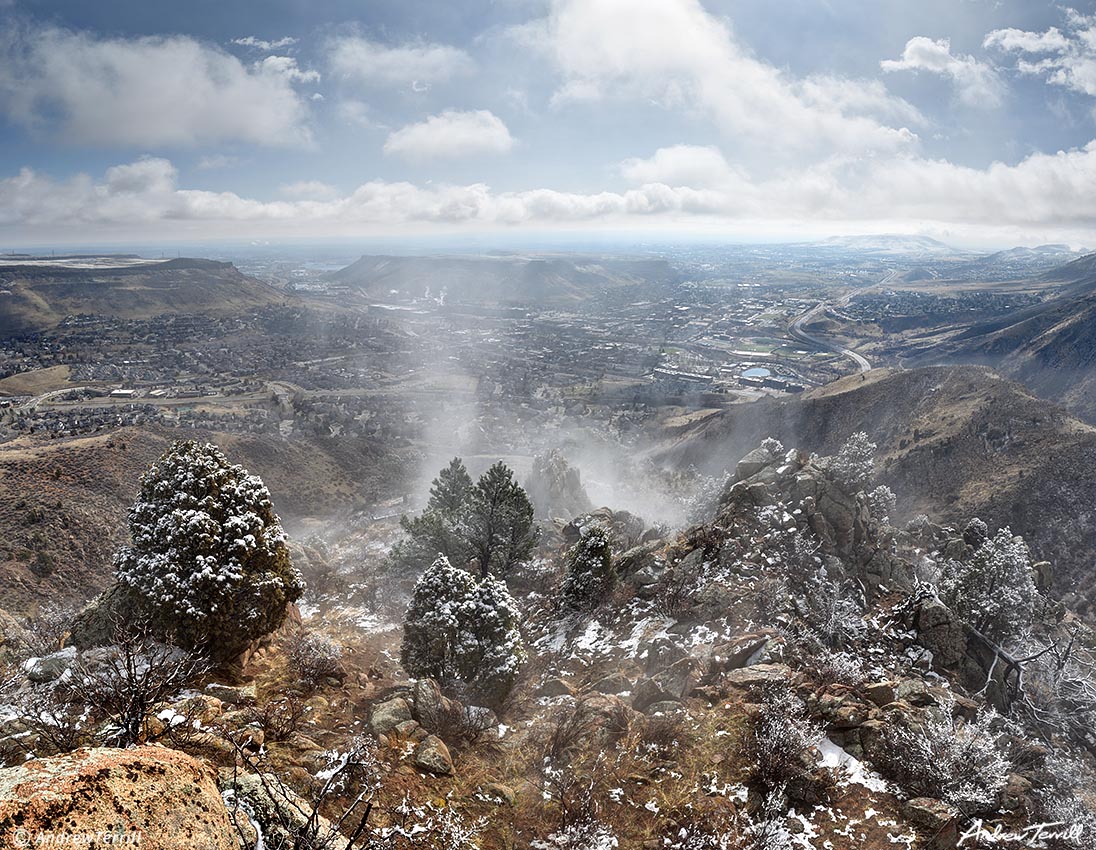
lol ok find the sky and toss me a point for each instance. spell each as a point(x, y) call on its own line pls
point(973, 121)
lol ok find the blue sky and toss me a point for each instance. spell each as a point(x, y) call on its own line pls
point(971, 120)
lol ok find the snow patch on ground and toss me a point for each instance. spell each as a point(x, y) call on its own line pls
point(858, 773)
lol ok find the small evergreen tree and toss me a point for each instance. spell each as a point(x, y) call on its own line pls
point(208, 558)
point(590, 576)
point(499, 523)
point(460, 630)
point(994, 591)
point(439, 530)
point(854, 463)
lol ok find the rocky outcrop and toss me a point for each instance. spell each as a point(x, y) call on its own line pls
point(555, 487)
point(170, 799)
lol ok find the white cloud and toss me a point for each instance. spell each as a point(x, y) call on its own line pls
point(260, 44)
point(451, 134)
point(1065, 59)
point(286, 68)
point(675, 53)
point(369, 62)
point(680, 165)
point(315, 190)
point(976, 83)
point(1044, 193)
point(145, 91)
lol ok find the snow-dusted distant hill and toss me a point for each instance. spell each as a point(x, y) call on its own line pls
point(898, 245)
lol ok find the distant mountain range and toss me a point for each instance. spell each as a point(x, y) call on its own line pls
point(35, 296)
point(898, 245)
point(503, 279)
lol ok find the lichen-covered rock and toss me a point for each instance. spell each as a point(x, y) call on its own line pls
point(432, 755)
point(759, 676)
point(389, 714)
point(50, 668)
point(166, 796)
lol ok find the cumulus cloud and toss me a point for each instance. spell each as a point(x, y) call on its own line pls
point(146, 91)
point(1065, 59)
point(976, 83)
point(680, 165)
point(451, 134)
point(676, 53)
point(286, 67)
point(260, 44)
point(361, 60)
point(1048, 192)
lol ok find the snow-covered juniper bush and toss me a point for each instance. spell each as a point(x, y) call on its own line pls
point(590, 576)
point(463, 631)
point(208, 563)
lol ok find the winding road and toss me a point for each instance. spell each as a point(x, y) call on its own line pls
point(796, 330)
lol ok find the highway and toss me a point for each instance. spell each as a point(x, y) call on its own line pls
point(796, 330)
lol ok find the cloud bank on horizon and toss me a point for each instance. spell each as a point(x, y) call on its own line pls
point(976, 120)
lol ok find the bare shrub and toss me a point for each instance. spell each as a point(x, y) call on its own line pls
point(314, 659)
point(279, 718)
point(269, 814)
point(125, 681)
point(47, 629)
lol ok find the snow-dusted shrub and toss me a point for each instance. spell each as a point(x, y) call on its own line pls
point(798, 554)
point(946, 758)
point(882, 503)
point(854, 463)
point(125, 682)
point(976, 533)
point(832, 608)
point(586, 833)
point(773, 446)
point(314, 659)
point(704, 497)
point(590, 575)
point(839, 668)
point(460, 630)
point(208, 557)
point(428, 827)
point(993, 591)
point(44, 632)
point(779, 736)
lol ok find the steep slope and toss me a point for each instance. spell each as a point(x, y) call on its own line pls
point(954, 442)
point(1050, 346)
point(499, 279)
point(36, 297)
point(63, 503)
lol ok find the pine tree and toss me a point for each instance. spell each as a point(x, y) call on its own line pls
point(499, 523)
point(590, 576)
point(463, 631)
point(208, 559)
point(439, 530)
